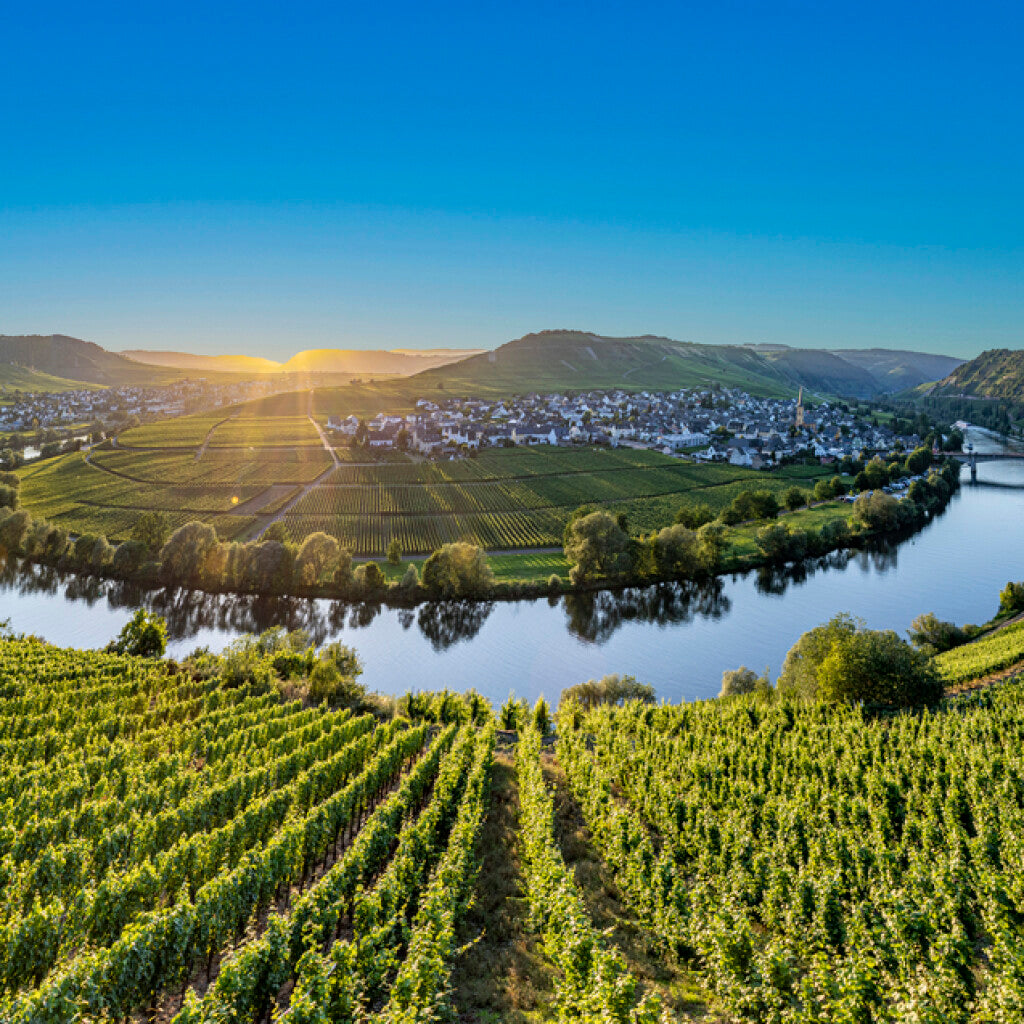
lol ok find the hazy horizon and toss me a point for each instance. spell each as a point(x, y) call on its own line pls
point(408, 177)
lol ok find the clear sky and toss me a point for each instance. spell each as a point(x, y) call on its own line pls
point(265, 178)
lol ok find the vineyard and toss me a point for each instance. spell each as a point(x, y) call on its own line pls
point(238, 471)
point(1002, 650)
point(171, 846)
point(177, 848)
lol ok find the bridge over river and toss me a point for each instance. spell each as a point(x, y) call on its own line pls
point(972, 458)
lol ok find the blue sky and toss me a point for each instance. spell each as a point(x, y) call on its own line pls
point(265, 178)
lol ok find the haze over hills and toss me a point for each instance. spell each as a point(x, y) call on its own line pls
point(546, 360)
point(996, 373)
point(189, 361)
point(578, 359)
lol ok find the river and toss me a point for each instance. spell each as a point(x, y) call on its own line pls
point(679, 639)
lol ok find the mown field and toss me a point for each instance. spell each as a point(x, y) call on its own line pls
point(241, 471)
point(196, 848)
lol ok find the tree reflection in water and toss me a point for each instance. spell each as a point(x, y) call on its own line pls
point(445, 623)
point(594, 616)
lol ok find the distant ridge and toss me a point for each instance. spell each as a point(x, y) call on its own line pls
point(73, 359)
point(572, 359)
point(188, 361)
point(996, 373)
point(404, 362)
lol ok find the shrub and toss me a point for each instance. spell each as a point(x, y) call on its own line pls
point(795, 498)
point(151, 530)
point(369, 578)
point(694, 516)
point(128, 557)
point(542, 717)
point(596, 546)
point(410, 578)
point(394, 552)
point(8, 496)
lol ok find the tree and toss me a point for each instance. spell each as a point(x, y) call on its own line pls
point(861, 482)
point(918, 460)
point(710, 545)
point(410, 578)
point(362, 434)
point(596, 546)
point(744, 680)
point(675, 551)
point(795, 498)
point(8, 496)
point(317, 559)
point(610, 689)
point(185, 556)
point(267, 567)
point(276, 531)
point(844, 661)
point(513, 714)
point(457, 570)
point(779, 544)
point(877, 511)
point(151, 529)
point(694, 516)
point(128, 558)
point(930, 634)
point(1011, 598)
point(394, 552)
point(13, 530)
point(877, 667)
point(369, 578)
point(144, 636)
point(343, 570)
point(823, 490)
point(799, 676)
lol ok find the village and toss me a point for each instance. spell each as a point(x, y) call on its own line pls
point(723, 425)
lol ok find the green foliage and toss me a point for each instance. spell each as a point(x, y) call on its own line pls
point(877, 667)
point(794, 498)
point(1011, 599)
point(144, 636)
point(541, 721)
point(780, 544)
point(596, 547)
point(609, 689)
point(394, 551)
point(694, 515)
point(750, 505)
point(930, 634)
point(993, 653)
point(877, 511)
point(742, 680)
point(918, 460)
point(151, 529)
point(457, 570)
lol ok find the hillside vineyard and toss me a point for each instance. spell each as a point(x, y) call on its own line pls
point(176, 846)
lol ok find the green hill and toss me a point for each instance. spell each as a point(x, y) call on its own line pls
point(20, 378)
point(996, 373)
point(76, 360)
point(579, 360)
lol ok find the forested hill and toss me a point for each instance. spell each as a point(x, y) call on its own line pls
point(551, 360)
point(996, 373)
point(73, 359)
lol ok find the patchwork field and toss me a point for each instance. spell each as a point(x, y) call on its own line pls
point(241, 472)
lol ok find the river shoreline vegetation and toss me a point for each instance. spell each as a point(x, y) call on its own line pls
point(229, 837)
point(774, 523)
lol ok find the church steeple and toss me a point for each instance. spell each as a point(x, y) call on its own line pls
point(800, 408)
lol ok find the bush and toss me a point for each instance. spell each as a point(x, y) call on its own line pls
point(554, 583)
point(514, 714)
point(14, 527)
point(394, 552)
point(8, 496)
point(317, 559)
point(144, 636)
point(411, 578)
point(542, 717)
point(675, 551)
point(369, 578)
point(877, 511)
point(780, 544)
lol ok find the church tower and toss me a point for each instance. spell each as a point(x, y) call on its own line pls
point(800, 409)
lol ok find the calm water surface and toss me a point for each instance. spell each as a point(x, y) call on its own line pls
point(676, 638)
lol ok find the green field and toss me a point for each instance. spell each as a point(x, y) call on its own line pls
point(238, 472)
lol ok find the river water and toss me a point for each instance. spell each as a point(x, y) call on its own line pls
point(679, 639)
